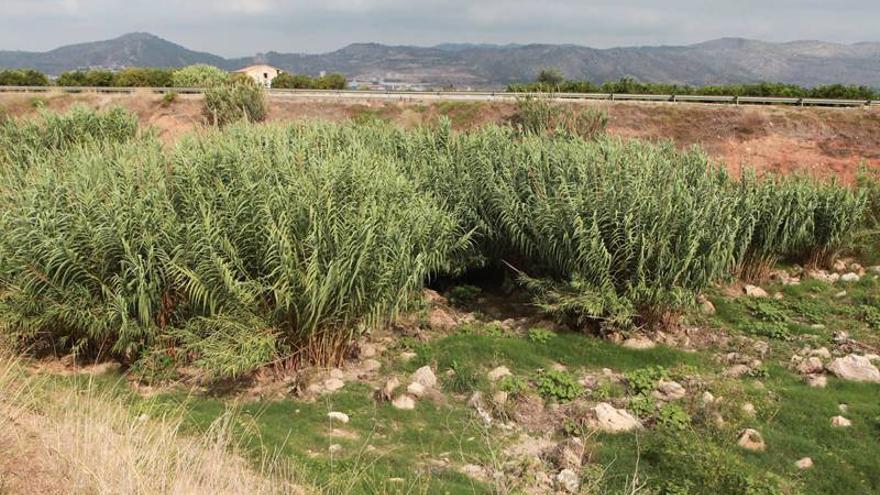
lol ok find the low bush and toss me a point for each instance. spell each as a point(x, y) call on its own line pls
point(235, 100)
point(537, 116)
point(199, 76)
point(23, 77)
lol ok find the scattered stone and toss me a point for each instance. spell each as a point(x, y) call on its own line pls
point(778, 296)
point(476, 400)
point(840, 337)
point(404, 403)
point(850, 277)
point(499, 398)
point(333, 384)
point(368, 351)
point(669, 391)
point(840, 422)
point(810, 366)
point(104, 368)
point(425, 376)
point(568, 481)
point(498, 373)
point(335, 448)
point(707, 398)
point(558, 367)
point(844, 408)
point(568, 454)
point(416, 389)
point(754, 291)
point(407, 356)
point(338, 417)
point(821, 352)
point(613, 420)
point(737, 371)
point(387, 391)
point(817, 381)
point(474, 472)
point(855, 368)
point(706, 306)
point(441, 319)
point(337, 373)
point(840, 294)
point(749, 409)
point(639, 343)
point(369, 366)
point(751, 440)
point(805, 463)
point(839, 266)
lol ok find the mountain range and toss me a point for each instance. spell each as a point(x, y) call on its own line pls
point(726, 60)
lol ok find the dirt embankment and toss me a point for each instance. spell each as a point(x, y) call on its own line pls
point(822, 141)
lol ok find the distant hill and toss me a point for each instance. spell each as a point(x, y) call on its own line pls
point(728, 60)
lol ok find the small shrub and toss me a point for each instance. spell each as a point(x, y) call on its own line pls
point(540, 116)
point(673, 416)
point(169, 98)
point(871, 316)
point(558, 385)
point(462, 295)
point(643, 406)
point(236, 100)
point(199, 76)
point(540, 335)
point(515, 386)
point(772, 330)
point(462, 379)
point(644, 381)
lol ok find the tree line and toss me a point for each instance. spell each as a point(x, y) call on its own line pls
point(552, 81)
point(194, 76)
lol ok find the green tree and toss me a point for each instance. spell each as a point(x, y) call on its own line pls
point(551, 77)
point(144, 77)
point(199, 76)
point(23, 77)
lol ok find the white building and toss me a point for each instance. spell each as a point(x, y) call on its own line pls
point(262, 74)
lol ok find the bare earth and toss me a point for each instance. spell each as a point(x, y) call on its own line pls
point(826, 142)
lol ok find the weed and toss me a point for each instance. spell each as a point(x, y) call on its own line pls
point(558, 385)
point(462, 295)
point(515, 386)
point(645, 380)
point(540, 335)
point(673, 416)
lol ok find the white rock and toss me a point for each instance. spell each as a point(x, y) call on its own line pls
point(843, 408)
point(425, 376)
point(613, 420)
point(639, 343)
point(568, 481)
point(416, 389)
point(706, 306)
point(476, 400)
point(821, 352)
point(474, 472)
point(805, 463)
point(850, 277)
point(754, 291)
point(840, 422)
point(737, 371)
point(810, 366)
point(333, 384)
point(751, 440)
point(370, 365)
point(669, 391)
point(335, 448)
point(855, 368)
point(840, 337)
point(707, 397)
point(500, 397)
point(840, 294)
point(407, 356)
point(368, 351)
point(498, 373)
point(337, 373)
point(339, 417)
point(749, 409)
point(817, 381)
point(404, 403)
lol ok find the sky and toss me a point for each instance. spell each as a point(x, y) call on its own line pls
point(246, 27)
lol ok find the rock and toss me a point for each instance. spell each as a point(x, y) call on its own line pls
point(855, 368)
point(387, 391)
point(104, 368)
point(840, 337)
point(843, 408)
point(338, 417)
point(368, 351)
point(476, 400)
point(499, 398)
point(441, 319)
point(850, 277)
point(840, 422)
point(839, 266)
point(370, 365)
point(751, 440)
point(707, 398)
point(754, 291)
point(737, 371)
point(805, 463)
point(749, 409)
point(407, 356)
point(474, 472)
point(568, 454)
point(821, 352)
point(337, 373)
point(810, 366)
point(498, 373)
point(613, 420)
point(840, 294)
point(333, 384)
point(425, 376)
point(706, 306)
point(335, 448)
point(568, 481)
point(404, 403)
point(416, 389)
point(817, 381)
point(639, 343)
point(669, 391)
point(778, 296)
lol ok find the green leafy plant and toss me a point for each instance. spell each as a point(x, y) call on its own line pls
point(235, 100)
point(558, 385)
point(463, 294)
point(673, 416)
point(540, 335)
point(643, 381)
point(515, 386)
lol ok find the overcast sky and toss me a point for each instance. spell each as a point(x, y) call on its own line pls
point(245, 27)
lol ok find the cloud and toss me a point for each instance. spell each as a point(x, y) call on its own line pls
point(242, 27)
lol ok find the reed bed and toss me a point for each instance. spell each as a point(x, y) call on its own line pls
point(252, 244)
